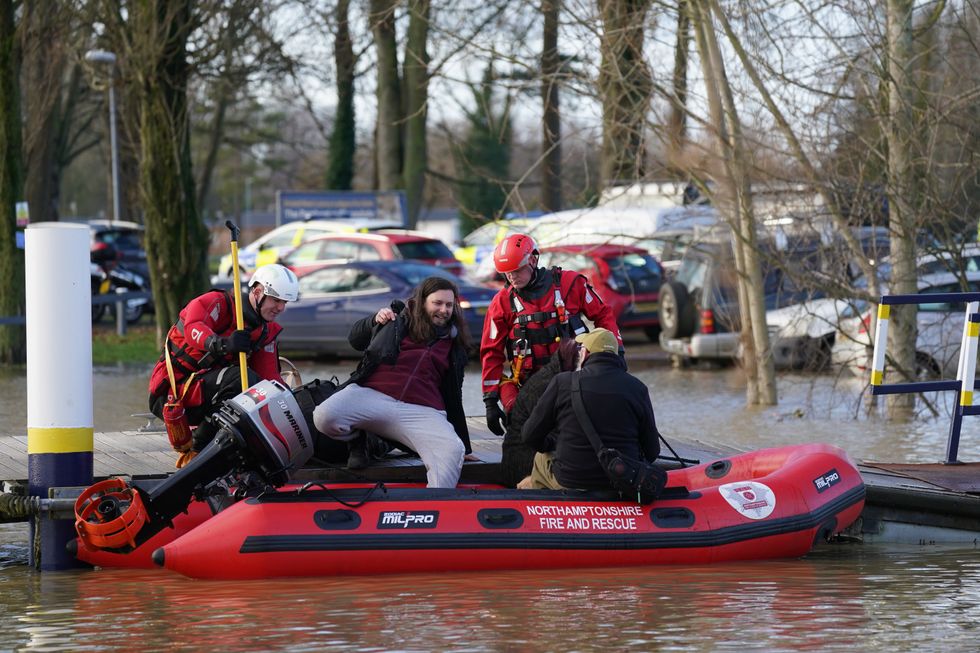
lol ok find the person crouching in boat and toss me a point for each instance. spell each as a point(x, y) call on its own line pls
point(517, 457)
point(408, 386)
point(617, 403)
point(527, 319)
point(204, 346)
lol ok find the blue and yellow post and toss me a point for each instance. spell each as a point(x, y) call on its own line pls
point(59, 376)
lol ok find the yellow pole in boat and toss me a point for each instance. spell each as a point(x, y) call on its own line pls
point(239, 317)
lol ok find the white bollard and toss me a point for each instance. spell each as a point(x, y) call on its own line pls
point(60, 429)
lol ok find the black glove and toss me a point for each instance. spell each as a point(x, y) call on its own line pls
point(496, 418)
point(237, 342)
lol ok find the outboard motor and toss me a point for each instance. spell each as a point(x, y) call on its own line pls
point(262, 432)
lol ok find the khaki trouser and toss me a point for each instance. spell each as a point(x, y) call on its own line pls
point(541, 474)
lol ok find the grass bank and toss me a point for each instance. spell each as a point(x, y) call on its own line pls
point(139, 345)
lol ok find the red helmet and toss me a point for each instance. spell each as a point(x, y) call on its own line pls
point(514, 252)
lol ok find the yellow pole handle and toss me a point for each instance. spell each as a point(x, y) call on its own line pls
point(239, 317)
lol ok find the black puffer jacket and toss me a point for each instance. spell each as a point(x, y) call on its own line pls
point(618, 405)
point(516, 456)
point(381, 345)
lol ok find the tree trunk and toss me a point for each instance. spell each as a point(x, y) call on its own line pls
point(898, 133)
point(416, 100)
point(340, 161)
point(625, 86)
point(388, 146)
point(677, 120)
point(176, 240)
point(757, 354)
point(43, 72)
point(12, 344)
point(551, 116)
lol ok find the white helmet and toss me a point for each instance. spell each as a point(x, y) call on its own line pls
point(277, 281)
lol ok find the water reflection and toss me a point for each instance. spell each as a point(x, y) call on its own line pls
point(839, 598)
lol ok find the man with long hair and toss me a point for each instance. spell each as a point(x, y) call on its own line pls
point(408, 386)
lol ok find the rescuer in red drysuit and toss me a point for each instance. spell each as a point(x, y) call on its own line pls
point(204, 349)
point(528, 318)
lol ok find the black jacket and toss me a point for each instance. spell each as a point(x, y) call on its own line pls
point(619, 407)
point(516, 456)
point(381, 344)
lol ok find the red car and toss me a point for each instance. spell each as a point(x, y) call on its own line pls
point(627, 278)
point(381, 245)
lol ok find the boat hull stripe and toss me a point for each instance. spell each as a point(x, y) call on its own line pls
point(524, 540)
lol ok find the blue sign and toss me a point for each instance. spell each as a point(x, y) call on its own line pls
point(381, 206)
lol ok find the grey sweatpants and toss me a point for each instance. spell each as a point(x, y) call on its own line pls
point(424, 429)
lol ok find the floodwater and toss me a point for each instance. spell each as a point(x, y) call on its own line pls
point(840, 597)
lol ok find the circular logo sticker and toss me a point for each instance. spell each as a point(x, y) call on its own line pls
point(754, 500)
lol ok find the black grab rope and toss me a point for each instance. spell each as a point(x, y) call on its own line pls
point(367, 496)
point(676, 457)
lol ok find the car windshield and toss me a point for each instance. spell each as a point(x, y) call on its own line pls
point(424, 249)
point(636, 272)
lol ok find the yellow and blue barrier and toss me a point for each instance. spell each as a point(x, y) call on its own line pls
point(963, 384)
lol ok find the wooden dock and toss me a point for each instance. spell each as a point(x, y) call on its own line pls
point(912, 504)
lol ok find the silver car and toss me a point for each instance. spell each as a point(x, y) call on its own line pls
point(940, 330)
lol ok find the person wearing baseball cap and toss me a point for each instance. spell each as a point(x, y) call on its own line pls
point(617, 403)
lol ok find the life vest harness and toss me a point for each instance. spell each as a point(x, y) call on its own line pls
point(551, 327)
point(184, 364)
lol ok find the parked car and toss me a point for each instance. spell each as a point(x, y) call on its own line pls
point(627, 278)
point(699, 315)
point(940, 329)
point(380, 245)
point(476, 252)
point(269, 247)
point(332, 297)
point(699, 309)
point(125, 242)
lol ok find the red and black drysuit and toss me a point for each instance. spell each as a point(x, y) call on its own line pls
point(205, 380)
point(523, 327)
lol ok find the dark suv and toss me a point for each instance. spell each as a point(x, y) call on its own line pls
point(699, 315)
point(699, 309)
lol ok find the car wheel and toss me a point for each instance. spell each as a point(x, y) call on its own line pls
point(652, 333)
point(676, 311)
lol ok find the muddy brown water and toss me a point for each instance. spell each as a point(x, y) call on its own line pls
point(843, 597)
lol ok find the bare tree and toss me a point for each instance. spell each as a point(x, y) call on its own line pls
point(416, 74)
point(737, 203)
point(625, 86)
point(901, 187)
point(340, 156)
point(677, 121)
point(551, 113)
point(388, 131)
point(12, 345)
point(152, 42)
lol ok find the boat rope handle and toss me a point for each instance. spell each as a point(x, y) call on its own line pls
point(377, 486)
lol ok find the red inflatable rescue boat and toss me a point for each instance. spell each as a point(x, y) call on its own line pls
point(771, 503)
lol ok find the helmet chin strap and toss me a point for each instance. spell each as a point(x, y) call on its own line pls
point(258, 305)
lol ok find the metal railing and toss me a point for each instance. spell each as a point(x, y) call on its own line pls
point(965, 371)
point(119, 299)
